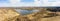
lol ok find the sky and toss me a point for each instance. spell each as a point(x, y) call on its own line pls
point(16, 3)
point(4, 1)
point(51, 0)
point(27, 0)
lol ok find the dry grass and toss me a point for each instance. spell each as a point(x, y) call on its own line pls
point(8, 15)
point(42, 15)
